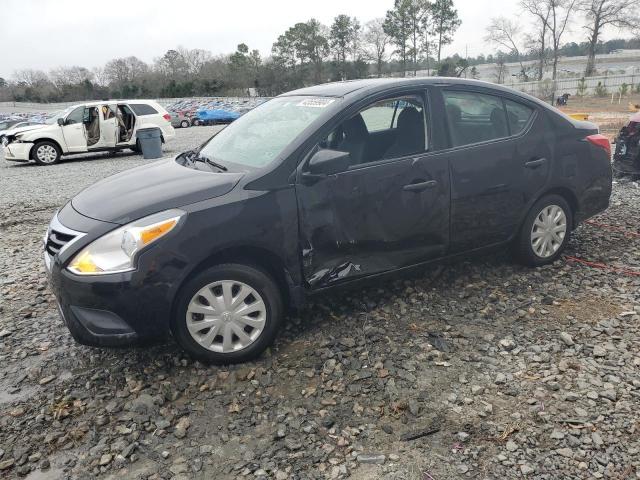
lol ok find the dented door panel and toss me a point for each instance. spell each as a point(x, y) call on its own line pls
point(366, 221)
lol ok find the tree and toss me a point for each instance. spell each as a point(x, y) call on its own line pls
point(397, 25)
point(506, 33)
point(453, 67)
point(417, 10)
point(313, 45)
point(541, 13)
point(445, 22)
point(601, 13)
point(342, 37)
point(501, 68)
point(376, 41)
point(427, 29)
point(555, 14)
point(305, 43)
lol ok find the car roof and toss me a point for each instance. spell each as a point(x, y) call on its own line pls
point(374, 85)
point(112, 101)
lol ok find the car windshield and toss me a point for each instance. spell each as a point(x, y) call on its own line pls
point(5, 125)
point(259, 136)
point(53, 120)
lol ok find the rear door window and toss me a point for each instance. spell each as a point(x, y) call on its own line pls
point(474, 117)
point(518, 116)
point(142, 109)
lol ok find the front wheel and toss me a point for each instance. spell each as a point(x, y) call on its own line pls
point(184, 124)
point(46, 153)
point(229, 313)
point(545, 231)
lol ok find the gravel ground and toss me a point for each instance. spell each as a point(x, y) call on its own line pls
point(480, 369)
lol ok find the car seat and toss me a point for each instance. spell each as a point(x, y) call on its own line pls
point(409, 134)
point(355, 139)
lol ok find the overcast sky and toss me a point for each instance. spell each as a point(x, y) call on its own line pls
point(44, 34)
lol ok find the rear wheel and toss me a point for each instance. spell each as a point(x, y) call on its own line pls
point(229, 313)
point(46, 153)
point(184, 123)
point(545, 232)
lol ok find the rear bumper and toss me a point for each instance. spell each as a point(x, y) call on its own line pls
point(18, 152)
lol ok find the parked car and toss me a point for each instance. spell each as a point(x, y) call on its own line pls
point(10, 128)
point(626, 159)
point(216, 116)
point(89, 127)
point(313, 190)
point(179, 120)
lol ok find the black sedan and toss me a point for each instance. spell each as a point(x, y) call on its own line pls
point(313, 190)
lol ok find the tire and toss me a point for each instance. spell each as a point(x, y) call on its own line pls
point(136, 148)
point(260, 329)
point(184, 124)
point(535, 253)
point(46, 153)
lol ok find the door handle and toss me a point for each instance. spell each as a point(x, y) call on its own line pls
point(418, 187)
point(535, 163)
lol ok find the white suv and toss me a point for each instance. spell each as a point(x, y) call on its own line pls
point(90, 127)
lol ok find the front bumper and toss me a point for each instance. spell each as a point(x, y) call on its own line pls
point(116, 309)
point(17, 152)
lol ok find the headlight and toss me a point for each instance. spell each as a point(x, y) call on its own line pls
point(115, 252)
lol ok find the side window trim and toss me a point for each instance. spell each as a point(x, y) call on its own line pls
point(312, 143)
point(510, 136)
point(530, 120)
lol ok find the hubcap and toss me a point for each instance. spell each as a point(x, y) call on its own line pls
point(46, 153)
point(548, 231)
point(226, 316)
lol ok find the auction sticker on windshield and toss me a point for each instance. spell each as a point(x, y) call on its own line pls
point(316, 102)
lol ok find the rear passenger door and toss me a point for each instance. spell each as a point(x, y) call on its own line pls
point(497, 163)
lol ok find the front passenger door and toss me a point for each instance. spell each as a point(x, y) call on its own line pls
point(388, 210)
point(74, 131)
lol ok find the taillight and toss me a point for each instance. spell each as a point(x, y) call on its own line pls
point(167, 117)
point(600, 141)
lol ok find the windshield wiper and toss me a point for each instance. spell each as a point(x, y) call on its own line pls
point(196, 157)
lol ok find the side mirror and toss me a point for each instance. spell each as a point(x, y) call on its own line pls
point(61, 122)
point(329, 162)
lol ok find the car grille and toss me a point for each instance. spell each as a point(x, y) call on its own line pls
point(56, 241)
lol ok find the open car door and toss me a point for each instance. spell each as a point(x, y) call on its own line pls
point(103, 134)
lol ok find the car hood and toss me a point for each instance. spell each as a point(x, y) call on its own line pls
point(15, 131)
point(149, 189)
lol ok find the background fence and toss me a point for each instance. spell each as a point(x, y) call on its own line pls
point(542, 89)
point(548, 87)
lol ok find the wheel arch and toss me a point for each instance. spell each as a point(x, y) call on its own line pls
point(249, 255)
point(570, 198)
point(45, 139)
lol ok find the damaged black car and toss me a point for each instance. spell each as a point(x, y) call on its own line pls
point(626, 159)
point(313, 190)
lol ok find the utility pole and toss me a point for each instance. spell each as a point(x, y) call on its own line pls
point(466, 57)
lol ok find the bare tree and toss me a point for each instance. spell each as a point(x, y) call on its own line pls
point(194, 59)
point(541, 12)
point(376, 42)
point(505, 33)
point(561, 10)
point(599, 14)
point(66, 76)
point(31, 78)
